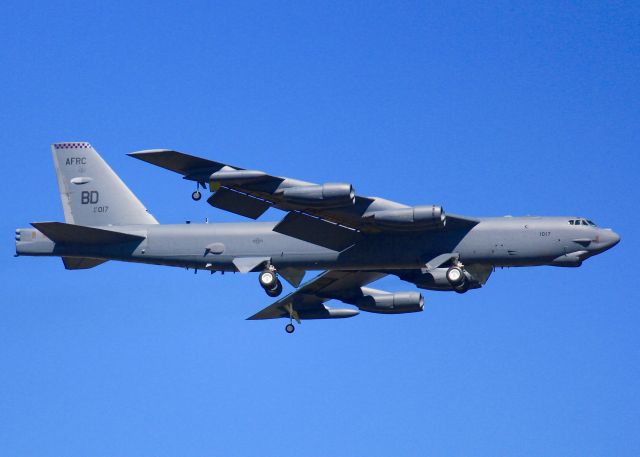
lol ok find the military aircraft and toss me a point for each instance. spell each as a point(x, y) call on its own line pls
point(354, 239)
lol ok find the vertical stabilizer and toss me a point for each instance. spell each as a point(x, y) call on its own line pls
point(91, 193)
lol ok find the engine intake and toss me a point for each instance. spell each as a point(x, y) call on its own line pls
point(417, 217)
point(375, 301)
point(323, 196)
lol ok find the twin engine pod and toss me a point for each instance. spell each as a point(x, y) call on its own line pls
point(330, 195)
point(378, 301)
point(416, 217)
point(237, 177)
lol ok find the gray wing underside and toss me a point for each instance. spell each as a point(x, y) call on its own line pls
point(335, 228)
point(257, 194)
point(308, 301)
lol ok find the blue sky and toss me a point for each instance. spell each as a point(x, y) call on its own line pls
point(487, 109)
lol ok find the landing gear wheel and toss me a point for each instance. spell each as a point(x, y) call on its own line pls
point(268, 279)
point(289, 328)
point(277, 290)
point(455, 276)
point(196, 195)
point(462, 288)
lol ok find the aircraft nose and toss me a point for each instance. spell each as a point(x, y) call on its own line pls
point(609, 239)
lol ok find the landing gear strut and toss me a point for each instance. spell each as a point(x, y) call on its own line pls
point(289, 328)
point(270, 282)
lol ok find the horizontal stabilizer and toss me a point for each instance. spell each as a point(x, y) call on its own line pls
point(62, 233)
point(81, 263)
point(317, 231)
point(238, 203)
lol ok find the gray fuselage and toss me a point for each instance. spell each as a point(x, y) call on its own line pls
point(497, 241)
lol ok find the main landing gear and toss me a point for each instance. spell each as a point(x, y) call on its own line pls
point(289, 328)
point(270, 282)
point(457, 279)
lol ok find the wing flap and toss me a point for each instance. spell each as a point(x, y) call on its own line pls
point(237, 203)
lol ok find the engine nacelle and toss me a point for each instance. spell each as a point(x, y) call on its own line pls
point(237, 177)
point(417, 217)
point(475, 277)
point(330, 195)
point(375, 301)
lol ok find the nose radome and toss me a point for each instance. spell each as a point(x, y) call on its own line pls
point(610, 238)
point(616, 238)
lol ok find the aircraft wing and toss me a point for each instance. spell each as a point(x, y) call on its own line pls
point(308, 301)
point(330, 215)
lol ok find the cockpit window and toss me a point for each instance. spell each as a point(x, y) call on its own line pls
point(581, 222)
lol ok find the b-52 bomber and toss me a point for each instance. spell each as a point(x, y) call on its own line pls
point(355, 240)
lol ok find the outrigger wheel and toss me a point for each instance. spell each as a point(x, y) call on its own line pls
point(196, 195)
point(292, 315)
